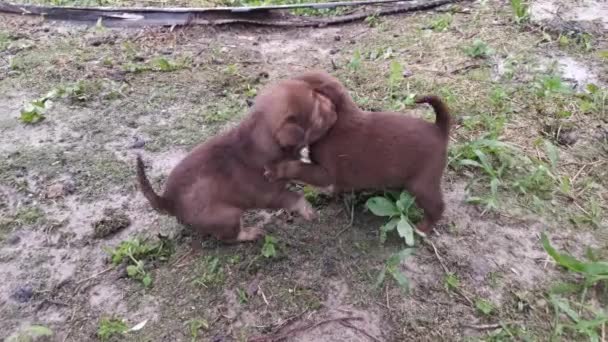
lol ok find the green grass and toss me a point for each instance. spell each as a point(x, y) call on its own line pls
point(575, 313)
point(135, 252)
point(111, 327)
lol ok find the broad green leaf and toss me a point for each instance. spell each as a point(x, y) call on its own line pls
point(592, 88)
point(269, 250)
point(401, 280)
point(390, 225)
point(571, 263)
point(380, 206)
point(452, 282)
point(406, 231)
point(132, 271)
point(563, 306)
point(147, 280)
point(394, 260)
point(407, 200)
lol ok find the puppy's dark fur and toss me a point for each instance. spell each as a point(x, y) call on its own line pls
point(224, 176)
point(379, 150)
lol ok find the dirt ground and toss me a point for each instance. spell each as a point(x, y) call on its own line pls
point(159, 92)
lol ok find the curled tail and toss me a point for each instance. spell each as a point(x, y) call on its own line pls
point(157, 202)
point(442, 113)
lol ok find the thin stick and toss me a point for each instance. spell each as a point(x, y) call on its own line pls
point(489, 326)
point(263, 295)
point(95, 275)
point(447, 271)
point(349, 325)
point(388, 305)
point(578, 173)
point(300, 329)
point(445, 268)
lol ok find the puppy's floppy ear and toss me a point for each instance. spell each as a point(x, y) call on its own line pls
point(290, 135)
point(323, 117)
point(334, 91)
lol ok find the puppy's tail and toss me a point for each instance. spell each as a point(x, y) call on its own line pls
point(442, 113)
point(157, 202)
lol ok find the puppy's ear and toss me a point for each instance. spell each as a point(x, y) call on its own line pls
point(323, 117)
point(333, 91)
point(290, 135)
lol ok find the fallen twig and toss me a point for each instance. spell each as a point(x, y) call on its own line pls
point(309, 326)
point(95, 275)
point(447, 271)
point(489, 326)
point(349, 325)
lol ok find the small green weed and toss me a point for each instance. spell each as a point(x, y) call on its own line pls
point(549, 85)
point(194, 326)
point(380, 53)
point(33, 112)
point(269, 249)
point(159, 64)
point(479, 49)
point(212, 272)
point(135, 251)
point(452, 283)
point(594, 100)
point(484, 306)
point(591, 215)
point(242, 296)
point(373, 20)
point(109, 327)
point(355, 61)
point(392, 268)
point(313, 196)
point(441, 24)
point(520, 11)
point(576, 40)
point(401, 211)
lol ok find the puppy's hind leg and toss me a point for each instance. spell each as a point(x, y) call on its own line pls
point(292, 202)
point(225, 224)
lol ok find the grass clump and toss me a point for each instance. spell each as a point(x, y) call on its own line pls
point(579, 307)
point(479, 49)
point(111, 327)
point(211, 272)
point(135, 252)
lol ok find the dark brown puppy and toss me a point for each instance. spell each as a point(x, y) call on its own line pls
point(224, 176)
point(379, 150)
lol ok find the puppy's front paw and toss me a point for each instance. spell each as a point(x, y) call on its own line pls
point(306, 210)
point(250, 234)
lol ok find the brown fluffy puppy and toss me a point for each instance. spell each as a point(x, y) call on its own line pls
point(221, 178)
point(379, 150)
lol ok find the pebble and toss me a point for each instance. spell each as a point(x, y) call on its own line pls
point(138, 143)
point(23, 294)
point(14, 239)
